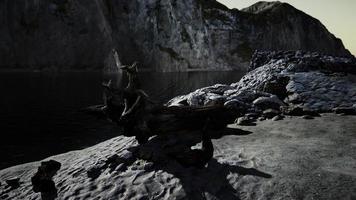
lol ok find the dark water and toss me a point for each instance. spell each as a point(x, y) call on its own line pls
point(39, 114)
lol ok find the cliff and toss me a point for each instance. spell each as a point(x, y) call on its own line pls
point(170, 35)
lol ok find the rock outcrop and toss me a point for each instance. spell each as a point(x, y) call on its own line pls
point(162, 35)
point(290, 83)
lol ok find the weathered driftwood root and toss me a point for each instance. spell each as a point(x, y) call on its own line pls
point(132, 109)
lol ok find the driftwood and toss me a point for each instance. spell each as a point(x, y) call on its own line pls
point(139, 116)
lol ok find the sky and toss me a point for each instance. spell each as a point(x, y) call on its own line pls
point(339, 16)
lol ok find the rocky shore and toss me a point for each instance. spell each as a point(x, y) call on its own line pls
point(284, 83)
point(293, 158)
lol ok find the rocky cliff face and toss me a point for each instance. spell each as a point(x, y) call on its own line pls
point(60, 34)
point(168, 35)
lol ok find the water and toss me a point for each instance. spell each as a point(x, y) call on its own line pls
point(39, 112)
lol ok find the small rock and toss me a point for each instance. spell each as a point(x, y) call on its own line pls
point(270, 113)
point(236, 104)
point(277, 86)
point(252, 115)
point(214, 100)
point(178, 101)
point(277, 118)
point(268, 102)
point(244, 121)
point(13, 182)
point(261, 118)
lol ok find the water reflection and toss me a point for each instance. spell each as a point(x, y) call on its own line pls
point(164, 86)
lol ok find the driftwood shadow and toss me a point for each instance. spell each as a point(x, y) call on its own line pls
point(198, 184)
point(211, 182)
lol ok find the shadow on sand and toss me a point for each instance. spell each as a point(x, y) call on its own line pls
point(212, 182)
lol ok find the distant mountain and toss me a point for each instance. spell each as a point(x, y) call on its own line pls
point(163, 35)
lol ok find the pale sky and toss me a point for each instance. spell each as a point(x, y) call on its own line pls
point(339, 16)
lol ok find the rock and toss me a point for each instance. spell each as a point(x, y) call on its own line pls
point(214, 100)
point(196, 98)
point(13, 182)
point(270, 113)
point(178, 101)
point(218, 89)
point(252, 115)
point(244, 121)
point(277, 118)
point(42, 180)
point(277, 86)
point(268, 102)
point(236, 104)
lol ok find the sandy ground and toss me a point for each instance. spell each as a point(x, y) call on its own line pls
point(290, 159)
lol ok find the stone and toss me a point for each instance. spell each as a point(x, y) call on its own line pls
point(213, 99)
point(277, 118)
point(277, 86)
point(244, 121)
point(270, 113)
point(196, 98)
point(236, 104)
point(261, 118)
point(178, 101)
point(252, 115)
point(268, 102)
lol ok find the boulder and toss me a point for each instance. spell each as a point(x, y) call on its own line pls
point(270, 113)
point(268, 102)
point(277, 117)
point(245, 121)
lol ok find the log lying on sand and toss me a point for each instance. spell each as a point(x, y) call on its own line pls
point(132, 110)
